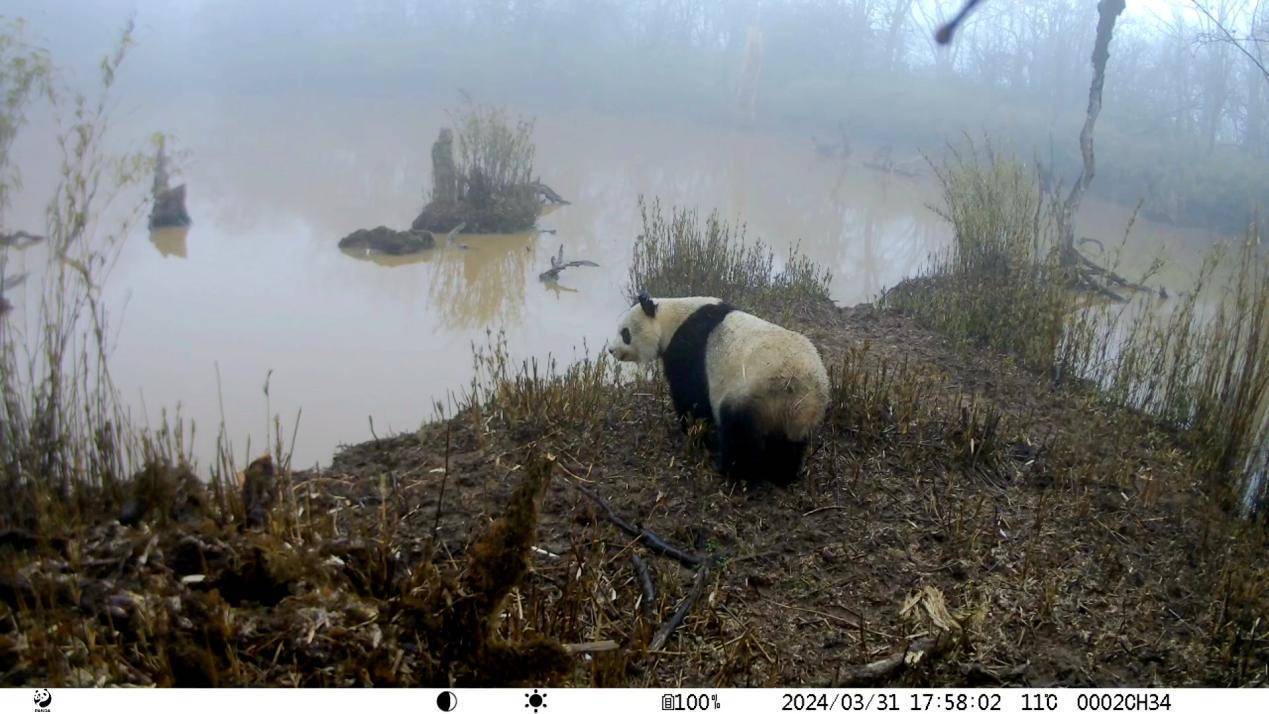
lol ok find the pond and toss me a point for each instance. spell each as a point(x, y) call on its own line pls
point(256, 289)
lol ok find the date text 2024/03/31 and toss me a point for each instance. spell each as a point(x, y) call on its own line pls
point(974, 702)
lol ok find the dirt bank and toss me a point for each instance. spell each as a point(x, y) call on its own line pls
point(1074, 547)
point(1033, 536)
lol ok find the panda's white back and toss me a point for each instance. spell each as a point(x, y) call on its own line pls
point(774, 371)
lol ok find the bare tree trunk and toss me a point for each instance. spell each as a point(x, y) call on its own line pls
point(1108, 12)
point(899, 12)
point(1252, 135)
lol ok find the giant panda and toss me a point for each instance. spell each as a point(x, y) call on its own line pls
point(762, 387)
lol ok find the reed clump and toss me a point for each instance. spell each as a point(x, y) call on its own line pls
point(1000, 283)
point(62, 428)
point(487, 184)
point(1197, 365)
point(681, 255)
point(494, 150)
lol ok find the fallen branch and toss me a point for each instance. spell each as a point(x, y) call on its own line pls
point(1111, 276)
point(976, 674)
point(680, 612)
point(597, 646)
point(653, 541)
point(645, 584)
point(558, 265)
point(885, 669)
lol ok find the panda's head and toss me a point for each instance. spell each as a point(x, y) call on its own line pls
point(638, 333)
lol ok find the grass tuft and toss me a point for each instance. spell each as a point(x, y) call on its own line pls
point(680, 255)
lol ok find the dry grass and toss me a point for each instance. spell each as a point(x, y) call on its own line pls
point(680, 255)
point(492, 148)
point(1000, 284)
point(1198, 367)
point(62, 427)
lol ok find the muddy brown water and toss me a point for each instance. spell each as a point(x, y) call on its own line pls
point(257, 287)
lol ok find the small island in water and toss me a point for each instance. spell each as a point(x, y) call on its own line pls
point(488, 187)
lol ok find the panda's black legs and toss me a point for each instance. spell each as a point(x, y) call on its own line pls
point(739, 442)
point(746, 452)
point(782, 459)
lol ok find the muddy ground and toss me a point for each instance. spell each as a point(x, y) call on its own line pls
point(955, 505)
point(1080, 551)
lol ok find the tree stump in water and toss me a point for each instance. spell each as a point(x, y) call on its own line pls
point(475, 199)
point(444, 173)
point(169, 203)
point(169, 209)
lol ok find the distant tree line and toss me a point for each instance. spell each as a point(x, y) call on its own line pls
point(1173, 71)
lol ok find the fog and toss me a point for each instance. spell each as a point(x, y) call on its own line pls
point(1184, 126)
point(300, 121)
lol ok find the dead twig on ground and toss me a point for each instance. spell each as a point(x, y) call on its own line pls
point(654, 542)
point(680, 612)
point(645, 584)
point(885, 669)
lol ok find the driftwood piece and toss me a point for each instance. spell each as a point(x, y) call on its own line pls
point(680, 612)
point(887, 668)
point(558, 265)
point(645, 584)
point(653, 541)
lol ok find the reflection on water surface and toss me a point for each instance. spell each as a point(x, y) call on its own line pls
point(171, 241)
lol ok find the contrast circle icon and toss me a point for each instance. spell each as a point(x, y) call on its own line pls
point(446, 701)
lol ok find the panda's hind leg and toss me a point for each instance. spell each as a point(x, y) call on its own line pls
point(748, 452)
point(739, 441)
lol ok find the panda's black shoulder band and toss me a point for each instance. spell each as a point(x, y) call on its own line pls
point(684, 358)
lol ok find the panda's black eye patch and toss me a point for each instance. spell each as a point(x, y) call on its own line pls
point(625, 335)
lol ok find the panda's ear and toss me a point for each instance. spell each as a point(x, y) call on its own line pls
point(649, 307)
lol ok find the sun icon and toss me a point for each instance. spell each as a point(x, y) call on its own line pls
point(535, 700)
